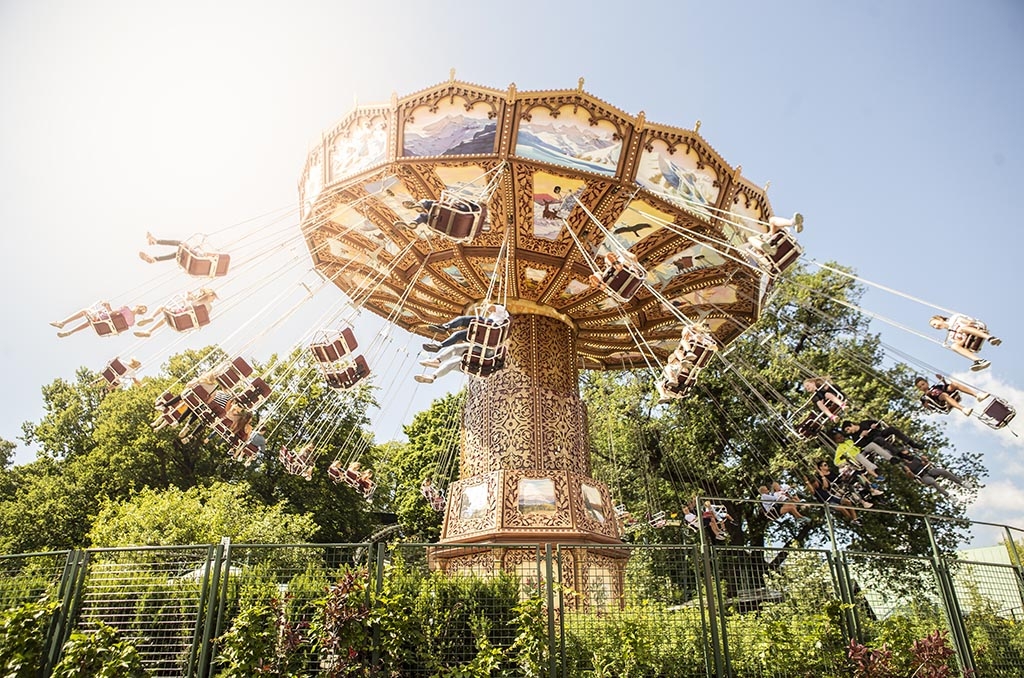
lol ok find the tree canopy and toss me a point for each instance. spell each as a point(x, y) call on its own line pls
point(97, 450)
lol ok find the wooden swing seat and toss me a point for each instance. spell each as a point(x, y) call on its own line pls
point(190, 318)
point(202, 264)
point(456, 218)
point(347, 378)
point(335, 350)
point(110, 326)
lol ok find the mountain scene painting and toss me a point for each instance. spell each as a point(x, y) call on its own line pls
point(592, 500)
point(677, 177)
point(474, 502)
point(537, 496)
point(569, 140)
point(361, 145)
point(450, 130)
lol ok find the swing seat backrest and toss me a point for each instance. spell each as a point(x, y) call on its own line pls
point(202, 264)
point(969, 341)
point(350, 376)
point(704, 347)
point(254, 395)
point(114, 371)
point(456, 218)
point(190, 318)
point(166, 400)
point(624, 283)
point(787, 251)
point(337, 348)
point(476, 363)
point(335, 472)
point(234, 373)
point(114, 324)
point(481, 333)
point(811, 424)
point(933, 403)
point(998, 413)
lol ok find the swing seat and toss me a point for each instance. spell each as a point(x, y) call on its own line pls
point(110, 326)
point(197, 395)
point(933, 403)
point(787, 251)
point(998, 413)
point(353, 479)
point(245, 453)
point(484, 334)
point(202, 264)
point(254, 395)
point(237, 370)
point(114, 372)
point(969, 341)
point(704, 347)
point(956, 336)
point(191, 318)
point(456, 218)
point(336, 349)
point(474, 362)
point(658, 520)
point(683, 384)
point(812, 424)
point(335, 472)
point(345, 379)
point(622, 285)
point(166, 400)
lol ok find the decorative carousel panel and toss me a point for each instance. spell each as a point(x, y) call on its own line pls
point(678, 174)
point(473, 505)
point(358, 143)
point(571, 137)
point(747, 216)
point(594, 509)
point(312, 181)
point(451, 126)
point(562, 439)
point(479, 563)
point(603, 579)
point(540, 500)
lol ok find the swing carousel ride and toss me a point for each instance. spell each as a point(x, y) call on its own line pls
point(600, 233)
point(563, 233)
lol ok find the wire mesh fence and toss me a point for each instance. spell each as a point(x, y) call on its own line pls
point(27, 577)
point(154, 598)
point(700, 609)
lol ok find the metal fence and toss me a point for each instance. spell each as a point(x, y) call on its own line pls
point(695, 609)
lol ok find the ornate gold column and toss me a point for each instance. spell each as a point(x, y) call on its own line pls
point(525, 457)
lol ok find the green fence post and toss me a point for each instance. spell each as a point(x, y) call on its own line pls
point(949, 600)
point(838, 564)
point(206, 616)
point(222, 593)
point(378, 584)
point(561, 611)
point(58, 625)
point(549, 588)
point(711, 594)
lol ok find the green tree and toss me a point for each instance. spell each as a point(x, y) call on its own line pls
point(97, 446)
point(730, 434)
point(199, 515)
point(432, 441)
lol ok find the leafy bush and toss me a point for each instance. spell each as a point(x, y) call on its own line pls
point(23, 638)
point(99, 655)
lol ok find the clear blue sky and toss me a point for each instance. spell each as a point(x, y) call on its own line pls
point(893, 126)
